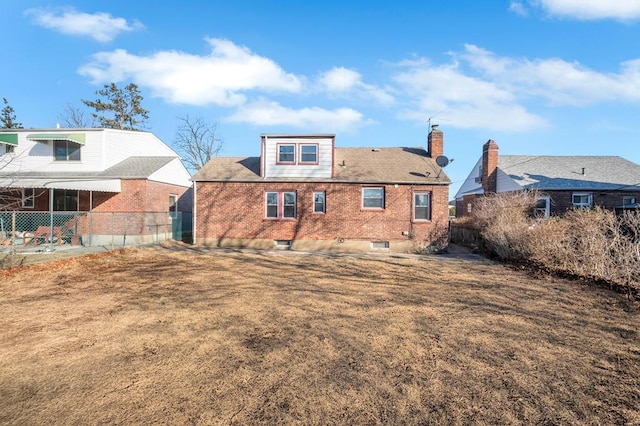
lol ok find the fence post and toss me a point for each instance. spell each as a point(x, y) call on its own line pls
point(13, 233)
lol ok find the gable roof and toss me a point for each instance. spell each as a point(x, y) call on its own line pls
point(570, 172)
point(547, 172)
point(362, 165)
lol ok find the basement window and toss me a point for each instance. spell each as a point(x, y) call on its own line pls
point(379, 245)
point(282, 244)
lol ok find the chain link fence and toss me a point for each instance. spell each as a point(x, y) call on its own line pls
point(48, 231)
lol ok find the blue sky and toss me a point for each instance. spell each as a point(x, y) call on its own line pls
point(540, 77)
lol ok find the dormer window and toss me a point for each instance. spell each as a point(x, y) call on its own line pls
point(66, 150)
point(287, 154)
point(308, 154)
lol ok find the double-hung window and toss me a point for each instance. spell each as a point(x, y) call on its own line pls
point(308, 154)
point(542, 208)
point(582, 199)
point(319, 202)
point(373, 198)
point(421, 205)
point(280, 205)
point(287, 154)
point(66, 150)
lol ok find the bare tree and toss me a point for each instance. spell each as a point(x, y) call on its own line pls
point(8, 117)
point(119, 108)
point(74, 117)
point(197, 142)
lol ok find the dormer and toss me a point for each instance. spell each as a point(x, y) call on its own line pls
point(296, 156)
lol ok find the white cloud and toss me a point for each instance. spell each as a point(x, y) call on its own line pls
point(265, 113)
point(623, 10)
point(344, 82)
point(220, 78)
point(518, 8)
point(467, 101)
point(100, 26)
point(555, 80)
point(480, 89)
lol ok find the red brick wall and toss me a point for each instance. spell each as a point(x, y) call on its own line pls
point(561, 201)
point(237, 210)
point(462, 205)
point(137, 195)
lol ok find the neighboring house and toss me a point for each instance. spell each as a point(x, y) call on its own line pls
point(561, 182)
point(304, 193)
point(101, 171)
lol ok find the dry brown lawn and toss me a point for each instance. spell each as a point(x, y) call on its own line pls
point(176, 335)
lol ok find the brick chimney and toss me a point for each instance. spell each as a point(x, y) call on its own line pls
point(435, 143)
point(489, 166)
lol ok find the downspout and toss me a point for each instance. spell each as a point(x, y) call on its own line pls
point(194, 209)
point(264, 158)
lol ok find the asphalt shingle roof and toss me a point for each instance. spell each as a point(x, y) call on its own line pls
point(370, 165)
point(566, 172)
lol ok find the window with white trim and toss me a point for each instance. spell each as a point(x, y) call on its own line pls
point(66, 151)
point(289, 205)
point(271, 205)
point(280, 205)
point(582, 199)
point(373, 198)
point(319, 202)
point(27, 198)
point(308, 154)
point(6, 148)
point(421, 205)
point(542, 209)
point(287, 154)
point(628, 201)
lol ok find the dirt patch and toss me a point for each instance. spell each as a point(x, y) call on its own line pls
point(181, 336)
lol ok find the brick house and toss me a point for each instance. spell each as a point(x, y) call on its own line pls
point(102, 171)
point(304, 193)
point(562, 182)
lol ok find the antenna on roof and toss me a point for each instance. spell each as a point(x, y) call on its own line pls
point(437, 113)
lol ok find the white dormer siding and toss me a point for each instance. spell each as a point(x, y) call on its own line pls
point(292, 156)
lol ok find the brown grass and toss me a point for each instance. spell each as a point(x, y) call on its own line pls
point(183, 336)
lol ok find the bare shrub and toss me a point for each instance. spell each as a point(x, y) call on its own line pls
point(505, 221)
point(591, 243)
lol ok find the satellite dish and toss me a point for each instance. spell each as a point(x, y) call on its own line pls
point(442, 161)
